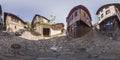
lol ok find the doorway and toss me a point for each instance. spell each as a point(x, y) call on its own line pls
point(46, 32)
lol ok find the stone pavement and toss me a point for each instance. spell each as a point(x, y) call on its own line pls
point(72, 59)
point(92, 45)
point(52, 58)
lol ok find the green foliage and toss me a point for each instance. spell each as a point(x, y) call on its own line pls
point(28, 25)
point(41, 22)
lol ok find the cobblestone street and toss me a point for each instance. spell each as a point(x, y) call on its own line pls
point(60, 30)
point(92, 47)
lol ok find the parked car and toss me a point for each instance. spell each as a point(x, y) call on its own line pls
point(19, 33)
point(21, 30)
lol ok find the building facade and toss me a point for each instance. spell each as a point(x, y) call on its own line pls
point(13, 23)
point(57, 28)
point(1, 20)
point(0, 10)
point(109, 17)
point(41, 25)
point(78, 22)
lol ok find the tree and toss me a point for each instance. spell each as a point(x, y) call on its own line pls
point(28, 25)
point(41, 22)
point(53, 18)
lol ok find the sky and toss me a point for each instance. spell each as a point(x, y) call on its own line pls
point(26, 9)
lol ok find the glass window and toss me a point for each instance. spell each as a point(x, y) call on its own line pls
point(75, 25)
point(75, 14)
point(101, 15)
point(15, 27)
point(71, 17)
point(99, 18)
point(84, 14)
point(14, 19)
point(78, 12)
point(101, 10)
point(107, 12)
point(87, 18)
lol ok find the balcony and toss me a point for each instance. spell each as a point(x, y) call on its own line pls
point(74, 20)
